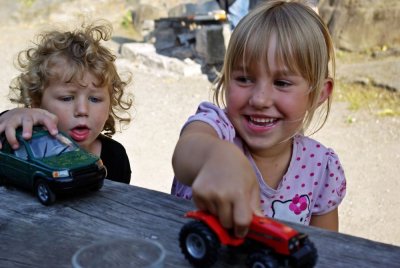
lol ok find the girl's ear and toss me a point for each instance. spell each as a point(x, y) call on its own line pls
point(326, 91)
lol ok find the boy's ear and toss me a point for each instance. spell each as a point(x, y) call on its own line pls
point(35, 104)
point(326, 91)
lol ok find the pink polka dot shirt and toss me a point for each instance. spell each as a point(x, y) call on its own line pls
point(314, 183)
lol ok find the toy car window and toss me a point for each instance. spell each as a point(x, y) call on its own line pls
point(21, 153)
point(46, 146)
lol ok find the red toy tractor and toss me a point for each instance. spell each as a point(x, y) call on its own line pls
point(268, 243)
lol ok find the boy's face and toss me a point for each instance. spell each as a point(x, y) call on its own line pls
point(82, 108)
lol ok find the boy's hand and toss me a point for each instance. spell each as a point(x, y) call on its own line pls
point(227, 187)
point(26, 118)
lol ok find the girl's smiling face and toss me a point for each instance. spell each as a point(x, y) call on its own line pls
point(266, 105)
point(82, 107)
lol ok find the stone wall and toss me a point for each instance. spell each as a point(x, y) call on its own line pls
point(359, 25)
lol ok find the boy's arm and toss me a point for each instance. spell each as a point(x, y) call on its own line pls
point(222, 179)
point(26, 118)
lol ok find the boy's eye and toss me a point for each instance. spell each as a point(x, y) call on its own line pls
point(66, 98)
point(94, 99)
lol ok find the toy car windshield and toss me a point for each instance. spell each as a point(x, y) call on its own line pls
point(46, 146)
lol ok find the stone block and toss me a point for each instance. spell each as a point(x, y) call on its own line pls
point(210, 43)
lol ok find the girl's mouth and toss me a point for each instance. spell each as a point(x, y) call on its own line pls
point(262, 121)
point(79, 133)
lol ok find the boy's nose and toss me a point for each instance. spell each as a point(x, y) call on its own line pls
point(81, 108)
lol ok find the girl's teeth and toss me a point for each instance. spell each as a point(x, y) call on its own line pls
point(262, 120)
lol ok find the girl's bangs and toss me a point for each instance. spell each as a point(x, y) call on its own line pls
point(254, 46)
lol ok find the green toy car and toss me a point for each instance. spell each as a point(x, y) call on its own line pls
point(49, 165)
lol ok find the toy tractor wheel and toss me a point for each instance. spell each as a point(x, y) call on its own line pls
point(43, 192)
point(262, 260)
point(199, 244)
point(313, 257)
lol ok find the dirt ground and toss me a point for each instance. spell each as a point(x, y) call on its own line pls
point(369, 147)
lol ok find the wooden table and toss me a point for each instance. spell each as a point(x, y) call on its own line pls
point(32, 235)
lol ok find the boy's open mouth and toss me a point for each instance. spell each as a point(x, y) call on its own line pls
point(79, 133)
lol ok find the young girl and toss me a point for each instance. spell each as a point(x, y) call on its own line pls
point(69, 82)
point(252, 156)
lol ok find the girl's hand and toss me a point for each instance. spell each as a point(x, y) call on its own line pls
point(227, 187)
point(26, 118)
point(222, 178)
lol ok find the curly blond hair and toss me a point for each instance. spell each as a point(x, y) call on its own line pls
point(83, 52)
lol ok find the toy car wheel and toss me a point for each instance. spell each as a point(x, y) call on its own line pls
point(199, 244)
point(43, 192)
point(262, 260)
point(98, 186)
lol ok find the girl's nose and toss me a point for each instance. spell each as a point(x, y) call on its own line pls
point(262, 96)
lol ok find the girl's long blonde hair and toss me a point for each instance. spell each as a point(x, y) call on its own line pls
point(303, 45)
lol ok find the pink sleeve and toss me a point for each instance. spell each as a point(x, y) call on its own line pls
point(217, 119)
point(333, 187)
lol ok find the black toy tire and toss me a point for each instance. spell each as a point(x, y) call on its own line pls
point(312, 260)
point(199, 244)
point(261, 260)
point(98, 186)
point(43, 192)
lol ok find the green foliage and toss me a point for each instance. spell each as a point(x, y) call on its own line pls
point(127, 20)
point(27, 3)
point(379, 101)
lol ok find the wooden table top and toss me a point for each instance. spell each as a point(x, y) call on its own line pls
point(33, 235)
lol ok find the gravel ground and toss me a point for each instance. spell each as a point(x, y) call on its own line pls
point(368, 148)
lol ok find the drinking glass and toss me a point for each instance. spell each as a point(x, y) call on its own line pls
point(138, 252)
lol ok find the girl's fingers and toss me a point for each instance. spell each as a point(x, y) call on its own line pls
point(205, 204)
point(224, 210)
point(243, 210)
point(242, 216)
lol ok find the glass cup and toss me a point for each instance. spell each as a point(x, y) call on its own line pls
point(120, 253)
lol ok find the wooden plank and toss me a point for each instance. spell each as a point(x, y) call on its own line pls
point(27, 227)
point(33, 235)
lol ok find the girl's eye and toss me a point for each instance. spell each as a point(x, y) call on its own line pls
point(94, 99)
point(282, 83)
point(243, 79)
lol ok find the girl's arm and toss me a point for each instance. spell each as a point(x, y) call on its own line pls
point(329, 221)
point(26, 118)
point(222, 179)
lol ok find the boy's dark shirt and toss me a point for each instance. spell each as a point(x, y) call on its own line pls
point(115, 159)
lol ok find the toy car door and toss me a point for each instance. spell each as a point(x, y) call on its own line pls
point(14, 165)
